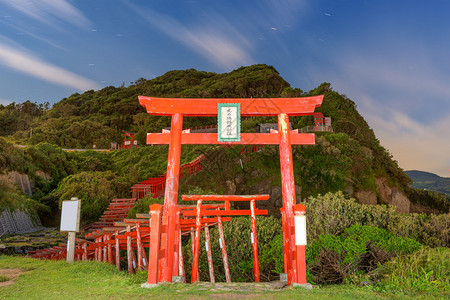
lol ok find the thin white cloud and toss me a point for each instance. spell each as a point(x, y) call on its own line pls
point(48, 11)
point(415, 146)
point(393, 75)
point(19, 60)
point(22, 29)
point(404, 96)
point(405, 76)
point(220, 43)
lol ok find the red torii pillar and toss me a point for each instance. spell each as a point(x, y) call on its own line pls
point(280, 107)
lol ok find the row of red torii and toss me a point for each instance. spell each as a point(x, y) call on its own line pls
point(165, 249)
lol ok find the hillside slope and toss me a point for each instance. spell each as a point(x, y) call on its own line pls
point(350, 159)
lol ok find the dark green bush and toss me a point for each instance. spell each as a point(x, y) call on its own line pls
point(331, 258)
point(142, 206)
point(94, 189)
point(332, 213)
point(239, 250)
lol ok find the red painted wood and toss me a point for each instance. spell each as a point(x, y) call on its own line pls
point(224, 197)
point(249, 107)
point(192, 233)
point(246, 139)
point(110, 255)
point(171, 193)
point(287, 182)
point(207, 212)
point(191, 222)
point(281, 107)
point(153, 259)
point(105, 249)
point(99, 249)
point(175, 268)
point(286, 257)
point(254, 241)
point(139, 247)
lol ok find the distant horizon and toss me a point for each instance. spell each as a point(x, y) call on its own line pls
point(425, 172)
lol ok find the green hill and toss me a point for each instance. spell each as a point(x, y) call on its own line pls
point(429, 181)
point(350, 159)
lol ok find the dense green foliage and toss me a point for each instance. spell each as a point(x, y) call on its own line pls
point(346, 241)
point(332, 258)
point(12, 198)
point(333, 213)
point(425, 271)
point(19, 116)
point(142, 206)
point(335, 161)
point(435, 200)
point(94, 189)
point(239, 250)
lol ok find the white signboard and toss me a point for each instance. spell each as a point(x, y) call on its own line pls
point(300, 230)
point(229, 122)
point(70, 215)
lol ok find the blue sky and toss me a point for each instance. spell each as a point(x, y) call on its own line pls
point(391, 57)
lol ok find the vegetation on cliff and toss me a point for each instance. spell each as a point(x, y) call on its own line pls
point(350, 159)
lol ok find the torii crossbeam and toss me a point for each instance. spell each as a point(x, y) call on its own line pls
point(280, 107)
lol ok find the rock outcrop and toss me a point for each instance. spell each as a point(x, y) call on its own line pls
point(389, 195)
point(393, 196)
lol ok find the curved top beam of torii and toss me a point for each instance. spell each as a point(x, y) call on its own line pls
point(299, 106)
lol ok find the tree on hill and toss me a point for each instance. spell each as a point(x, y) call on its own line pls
point(350, 159)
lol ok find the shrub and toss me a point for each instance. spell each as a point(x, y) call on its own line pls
point(427, 270)
point(94, 189)
point(12, 198)
point(239, 250)
point(142, 205)
point(331, 258)
point(274, 255)
point(332, 213)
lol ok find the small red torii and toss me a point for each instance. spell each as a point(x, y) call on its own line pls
point(295, 265)
point(128, 140)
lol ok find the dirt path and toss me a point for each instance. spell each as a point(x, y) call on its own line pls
point(12, 274)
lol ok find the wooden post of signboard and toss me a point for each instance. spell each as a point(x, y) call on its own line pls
point(70, 223)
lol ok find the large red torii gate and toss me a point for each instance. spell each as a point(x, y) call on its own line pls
point(282, 108)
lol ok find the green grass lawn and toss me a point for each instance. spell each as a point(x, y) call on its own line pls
point(85, 280)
